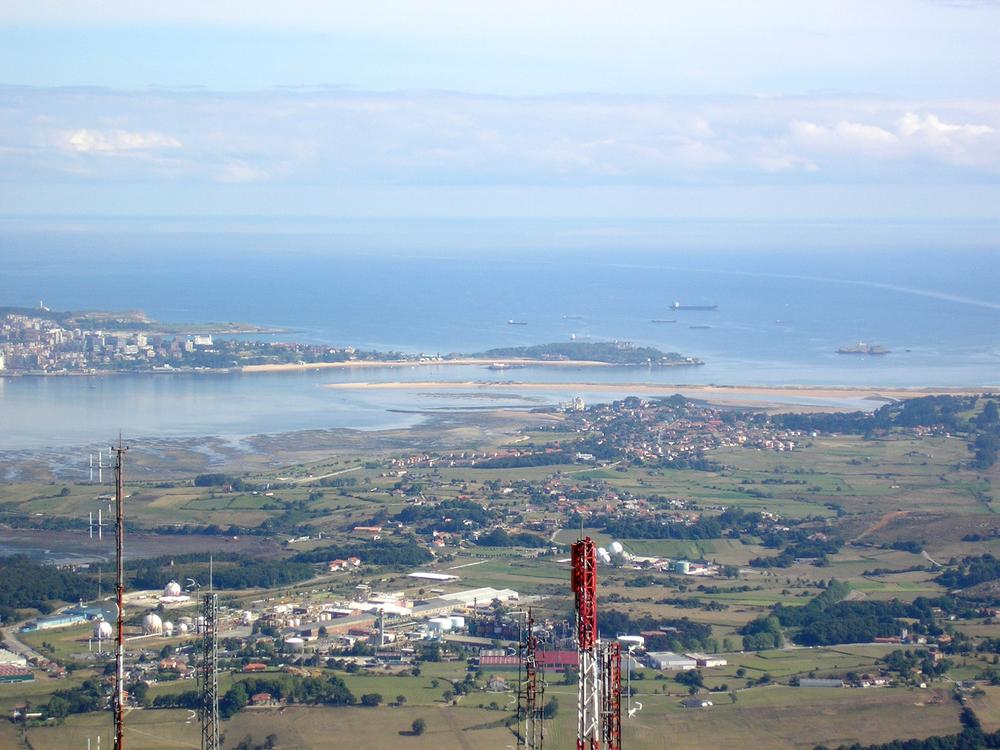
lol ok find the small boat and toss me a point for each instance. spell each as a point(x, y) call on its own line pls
point(513, 322)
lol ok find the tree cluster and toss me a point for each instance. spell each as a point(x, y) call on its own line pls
point(25, 583)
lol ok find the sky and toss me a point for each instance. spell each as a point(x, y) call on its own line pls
point(777, 109)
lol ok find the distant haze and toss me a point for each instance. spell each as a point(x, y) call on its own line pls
point(783, 109)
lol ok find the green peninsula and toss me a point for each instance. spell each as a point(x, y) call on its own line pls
point(610, 352)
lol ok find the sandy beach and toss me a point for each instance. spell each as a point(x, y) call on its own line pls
point(292, 366)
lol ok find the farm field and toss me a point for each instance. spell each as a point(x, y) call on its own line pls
point(770, 719)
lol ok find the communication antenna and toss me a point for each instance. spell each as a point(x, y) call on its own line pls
point(98, 526)
point(100, 464)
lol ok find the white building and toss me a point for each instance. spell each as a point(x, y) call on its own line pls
point(670, 660)
point(706, 660)
point(9, 657)
point(481, 596)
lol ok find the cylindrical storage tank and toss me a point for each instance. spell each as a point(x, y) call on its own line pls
point(457, 622)
point(247, 617)
point(295, 622)
point(152, 624)
point(440, 624)
point(172, 589)
point(182, 628)
point(103, 630)
point(168, 628)
point(294, 644)
point(185, 621)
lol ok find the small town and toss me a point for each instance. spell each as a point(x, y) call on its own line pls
point(47, 345)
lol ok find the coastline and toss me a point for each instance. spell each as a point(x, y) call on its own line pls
point(735, 394)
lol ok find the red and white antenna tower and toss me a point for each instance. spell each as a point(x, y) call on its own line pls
point(599, 690)
point(588, 696)
point(611, 716)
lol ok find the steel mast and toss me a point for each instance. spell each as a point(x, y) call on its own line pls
point(118, 700)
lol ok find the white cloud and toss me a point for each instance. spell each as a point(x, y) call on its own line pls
point(86, 141)
point(845, 133)
point(337, 138)
point(912, 136)
point(932, 127)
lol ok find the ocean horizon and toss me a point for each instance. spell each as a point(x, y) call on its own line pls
point(783, 311)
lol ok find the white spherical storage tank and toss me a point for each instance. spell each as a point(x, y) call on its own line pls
point(172, 589)
point(617, 548)
point(152, 624)
point(168, 628)
point(182, 628)
point(103, 630)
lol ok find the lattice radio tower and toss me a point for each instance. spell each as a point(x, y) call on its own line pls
point(118, 700)
point(208, 675)
point(534, 690)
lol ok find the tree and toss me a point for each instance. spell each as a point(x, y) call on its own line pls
point(551, 709)
point(401, 700)
point(58, 707)
point(418, 726)
point(139, 693)
point(371, 699)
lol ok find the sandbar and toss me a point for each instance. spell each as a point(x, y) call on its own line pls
point(716, 393)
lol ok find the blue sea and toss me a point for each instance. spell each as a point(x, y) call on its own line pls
point(788, 296)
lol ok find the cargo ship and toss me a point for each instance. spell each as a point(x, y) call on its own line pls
point(679, 306)
point(862, 348)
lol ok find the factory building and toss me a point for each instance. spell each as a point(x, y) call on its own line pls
point(670, 660)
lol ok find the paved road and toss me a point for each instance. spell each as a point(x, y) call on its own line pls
point(322, 476)
point(15, 645)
